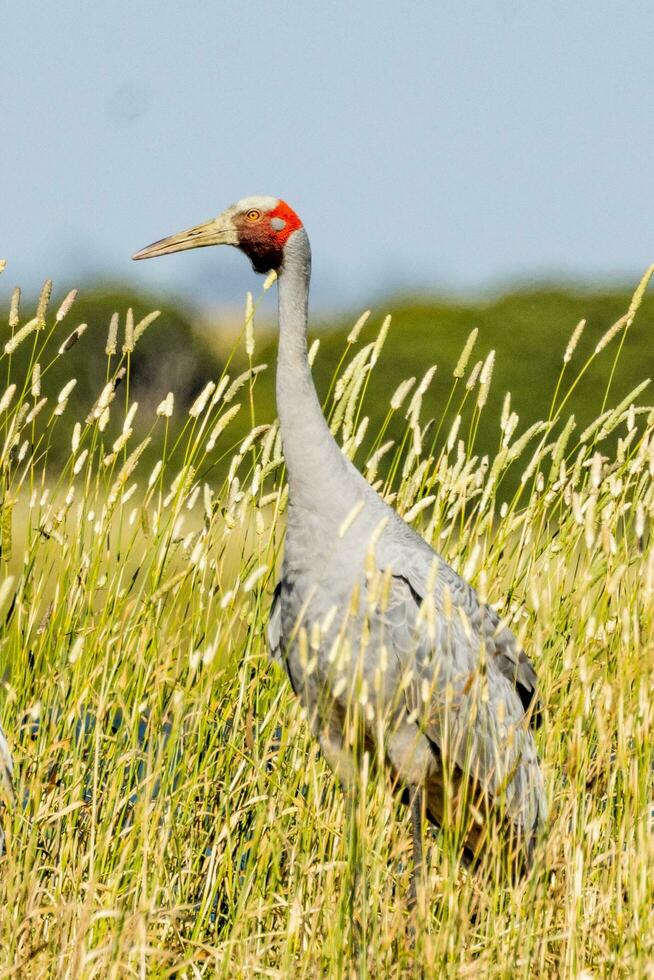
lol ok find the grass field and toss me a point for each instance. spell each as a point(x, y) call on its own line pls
point(173, 816)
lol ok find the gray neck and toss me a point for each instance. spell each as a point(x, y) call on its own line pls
point(316, 467)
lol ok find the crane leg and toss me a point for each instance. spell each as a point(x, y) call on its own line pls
point(417, 872)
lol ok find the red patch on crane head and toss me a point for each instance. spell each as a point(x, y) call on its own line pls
point(263, 233)
point(289, 217)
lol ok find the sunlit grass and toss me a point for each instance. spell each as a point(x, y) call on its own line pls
point(175, 816)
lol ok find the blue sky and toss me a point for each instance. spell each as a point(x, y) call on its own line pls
point(435, 145)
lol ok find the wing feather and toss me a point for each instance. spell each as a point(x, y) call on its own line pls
point(468, 684)
point(484, 622)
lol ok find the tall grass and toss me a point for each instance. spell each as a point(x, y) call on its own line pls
point(174, 814)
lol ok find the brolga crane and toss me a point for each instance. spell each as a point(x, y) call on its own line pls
point(388, 649)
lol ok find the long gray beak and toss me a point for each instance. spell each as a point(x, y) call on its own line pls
point(218, 231)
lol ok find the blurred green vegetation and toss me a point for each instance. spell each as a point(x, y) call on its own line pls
point(170, 356)
point(528, 329)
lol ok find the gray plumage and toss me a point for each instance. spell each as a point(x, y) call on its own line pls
point(374, 629)
point(439, 639)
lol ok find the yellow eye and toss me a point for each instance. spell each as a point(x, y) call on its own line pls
point(253, 214)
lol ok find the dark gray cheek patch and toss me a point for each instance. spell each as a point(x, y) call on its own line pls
point(277, 223)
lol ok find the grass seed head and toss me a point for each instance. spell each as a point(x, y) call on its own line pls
point(64, 309)
point(249, 324)
point(112, 336)
point(128, 343)
point(485, 379)
point(44, 300)
point(36, 381)
point(14, 342)
point(610, 334)
point(270, 280)
point(472, 377)
point(200, 402)
point(353, 335)
point(464, 357)
point(144, 323)
point(14, 309)
point(166, 407)
point(7, 397)
point(574, 340)
point(72, 338)
point(313, 351)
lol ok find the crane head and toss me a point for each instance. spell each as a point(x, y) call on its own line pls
point(258, 226)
